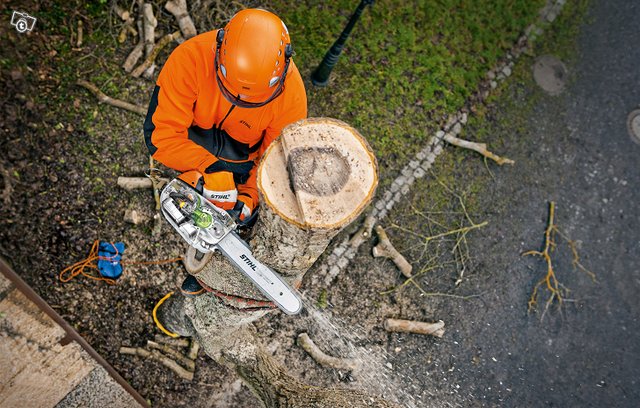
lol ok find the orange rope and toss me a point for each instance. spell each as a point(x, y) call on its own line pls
point(90, 262)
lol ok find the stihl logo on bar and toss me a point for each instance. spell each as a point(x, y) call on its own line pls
point(248, 261)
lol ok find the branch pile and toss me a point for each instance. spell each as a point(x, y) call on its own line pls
point(164, 351)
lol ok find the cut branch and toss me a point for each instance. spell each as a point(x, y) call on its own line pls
point(364, 233)
point(386, 250)
point(157, 356)
point(180, 11)
point(134, 183)
point(411, 326)
point(177, 342)
point(167, 349)
point(194, 347)
point(80, 34)
point(109, 100)
point(478, 147)
point(150, 24)
point(136, 53)
point(149, 62)
point(127, 27)
point(323, 359)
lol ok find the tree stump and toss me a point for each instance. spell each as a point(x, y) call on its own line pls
point(314, 180)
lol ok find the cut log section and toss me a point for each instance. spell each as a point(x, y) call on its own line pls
point(320, 173)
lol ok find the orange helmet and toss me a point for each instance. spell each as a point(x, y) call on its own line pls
point(252, 58)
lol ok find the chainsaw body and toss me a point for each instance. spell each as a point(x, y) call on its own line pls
point(208, 228)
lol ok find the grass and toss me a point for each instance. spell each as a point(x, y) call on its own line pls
point(406, 65)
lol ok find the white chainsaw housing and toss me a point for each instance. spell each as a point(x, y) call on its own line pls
point(179, 202)
point(202, 239)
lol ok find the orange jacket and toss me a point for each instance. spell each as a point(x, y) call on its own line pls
point(189, 124)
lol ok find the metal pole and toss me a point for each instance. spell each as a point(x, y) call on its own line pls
point(320, 76)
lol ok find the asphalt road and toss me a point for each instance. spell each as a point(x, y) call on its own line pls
point(574, 150)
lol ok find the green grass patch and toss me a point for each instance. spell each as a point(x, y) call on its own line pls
point(406, 65)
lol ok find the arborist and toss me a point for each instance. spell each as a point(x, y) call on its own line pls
point(221, 98)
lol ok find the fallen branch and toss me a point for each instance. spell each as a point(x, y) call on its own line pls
point(411, 326)
point(180, 11)
point(127, 27)
point(386, 250)
point(149, 62)
point(193, 349)
point(80, 34)
point(363, 233)
point(136, 53)
point(134, 183)
point(150, 24)
point(157, 356)
point(154, 175)
point(167, 349)
point(556, 289)
point(323, 359)
point(478, 147)
point(177, 342)
point(109, 100)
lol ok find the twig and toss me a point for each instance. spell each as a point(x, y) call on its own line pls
point(364, 232)
point(478, 147)
point(556, 289)
point(165, 348)
point(410, 326)
point(323, 359)
point(180, 11)
point(80, 34)
point(111, 101)
point(156, 355)
point(386, 250)
point(149, 62)
point(8, 188)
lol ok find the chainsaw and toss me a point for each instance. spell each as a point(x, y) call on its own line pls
point(208, 228)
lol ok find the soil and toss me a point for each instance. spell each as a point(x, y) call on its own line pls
point(571, 149)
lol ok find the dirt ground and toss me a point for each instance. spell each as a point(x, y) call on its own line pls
point(572, 149)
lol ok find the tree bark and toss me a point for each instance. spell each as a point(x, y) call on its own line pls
point(313, 181)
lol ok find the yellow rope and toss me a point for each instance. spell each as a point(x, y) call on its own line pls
point(157, 322)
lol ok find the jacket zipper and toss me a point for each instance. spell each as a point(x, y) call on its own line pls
point(218, 133)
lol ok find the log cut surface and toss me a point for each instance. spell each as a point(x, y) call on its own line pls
point(319, 174)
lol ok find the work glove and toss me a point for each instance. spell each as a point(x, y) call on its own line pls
point(220, 189)
point(240, 170)
point(242, 209)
